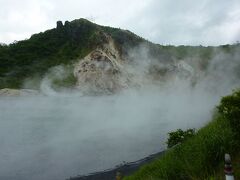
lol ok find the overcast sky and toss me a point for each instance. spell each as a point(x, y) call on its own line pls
point(189, 22)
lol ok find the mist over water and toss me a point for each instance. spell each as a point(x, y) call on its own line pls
point(59, 137)
point(65, 134)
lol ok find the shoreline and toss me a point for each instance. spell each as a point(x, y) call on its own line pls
point(124, 169)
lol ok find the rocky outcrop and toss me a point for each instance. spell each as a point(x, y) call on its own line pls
point(101, 71)
point(105, 71)
point(18, 92)
point(59, 24)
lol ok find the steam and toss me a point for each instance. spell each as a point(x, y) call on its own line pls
point(222, 74)
point(66, 133)
point(57, 73)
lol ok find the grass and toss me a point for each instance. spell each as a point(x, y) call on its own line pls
point(200, 157)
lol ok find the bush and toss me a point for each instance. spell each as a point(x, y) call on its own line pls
point(179, 136)
point(230, 109)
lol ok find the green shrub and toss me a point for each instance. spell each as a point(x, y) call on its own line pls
point(230, 109)
point(179, 136)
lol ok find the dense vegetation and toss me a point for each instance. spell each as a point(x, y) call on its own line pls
point(201, 157)
point(35, 56)
point(61, 45)
point(179, 136)
point(66, 43)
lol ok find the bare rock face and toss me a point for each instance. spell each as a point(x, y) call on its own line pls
point(18, 92)
point(101, 71)
point(104, 71)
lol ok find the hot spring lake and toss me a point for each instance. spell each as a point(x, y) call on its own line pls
point(53, 138)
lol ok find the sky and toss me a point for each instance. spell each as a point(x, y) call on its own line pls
point(176, 22)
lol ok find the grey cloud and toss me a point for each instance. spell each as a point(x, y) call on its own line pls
point(186, 22)
point(162, 21)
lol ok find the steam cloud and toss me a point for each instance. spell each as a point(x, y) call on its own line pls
point(64, 134)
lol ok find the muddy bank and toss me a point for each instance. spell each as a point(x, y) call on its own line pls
point(124, 169)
